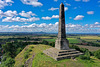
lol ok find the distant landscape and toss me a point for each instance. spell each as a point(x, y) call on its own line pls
point(14, 44)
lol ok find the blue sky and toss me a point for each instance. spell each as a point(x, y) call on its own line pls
point(81, 16)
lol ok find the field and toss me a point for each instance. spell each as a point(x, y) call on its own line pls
point(42, 60)
point(91, 38)
point(71, 40)
point(91, 48)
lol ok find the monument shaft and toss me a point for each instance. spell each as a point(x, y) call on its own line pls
point(61, 31)
point(61, 42)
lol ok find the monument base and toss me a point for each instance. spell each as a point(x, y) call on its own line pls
point(62, 44)
point(62, 54)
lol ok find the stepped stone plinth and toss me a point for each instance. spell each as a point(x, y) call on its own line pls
point(62, 50)
point(62, 54)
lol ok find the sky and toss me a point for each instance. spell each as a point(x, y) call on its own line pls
point(81, 16)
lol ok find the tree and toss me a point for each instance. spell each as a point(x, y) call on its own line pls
point(97, 54)
point(8, 63)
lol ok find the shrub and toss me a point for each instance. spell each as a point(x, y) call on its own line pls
point(8, 63)
point(29, 50)
point(26, 55)
point(84, 57)
point(97, 54)
point(74, 47)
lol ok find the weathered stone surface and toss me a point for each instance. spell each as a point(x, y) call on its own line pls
point(61, 54)
point(61, 42)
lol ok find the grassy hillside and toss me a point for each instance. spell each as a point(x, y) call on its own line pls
point(42, 60)
point(32, 50)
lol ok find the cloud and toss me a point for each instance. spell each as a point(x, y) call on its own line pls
point(90, 12)
point(77, 0)
point(8, 13)
point(19, 19)
point(55, 16)
point(46, 18)
point(27, 14)
point(79, 17)
point(4, 3)
point(82, 0)
point(49, 18)
point(52, 28)
point(34, 3)
point(97, 23)
point(66, 8)
point(55, 0)
point(68, 4)
point(85, 0)
point(52, 9)
point(12, 16)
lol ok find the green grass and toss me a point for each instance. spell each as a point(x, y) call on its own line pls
point(50, 40)
point(31, 50)
point(42, 60)
point(71, 40)
point(21, 57)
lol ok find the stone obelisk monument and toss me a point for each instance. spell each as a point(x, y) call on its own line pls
point(61, 42)
point(61, 50)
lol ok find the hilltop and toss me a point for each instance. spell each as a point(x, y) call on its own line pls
point(32, 55)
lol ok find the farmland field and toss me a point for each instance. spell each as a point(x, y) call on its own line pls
point(91, 39)
point(71, 40)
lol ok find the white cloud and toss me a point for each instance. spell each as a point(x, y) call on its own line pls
point(85, 0)
point(12, 16)
point(66, 8)
point(27, 14)
point(49, 18)
point(52, 9)
point(55, 0)
point(53, 28)
point(8, 13)
point(77, 0)
point(46, 18)
point(82, 0)
point(90, 12)
point(34, 3)
point(97, 23)
point(68, 4)
point(18, 19)
point(79, 17)
point(4, 3)
point(55, 16)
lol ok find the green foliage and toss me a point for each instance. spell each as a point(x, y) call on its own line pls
point(84, 57)
point(18, 50)
point(26, 55)
point(74, 47)
point(9, 49)
point(27, 52)
point(8, 63)
point(97, 54)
